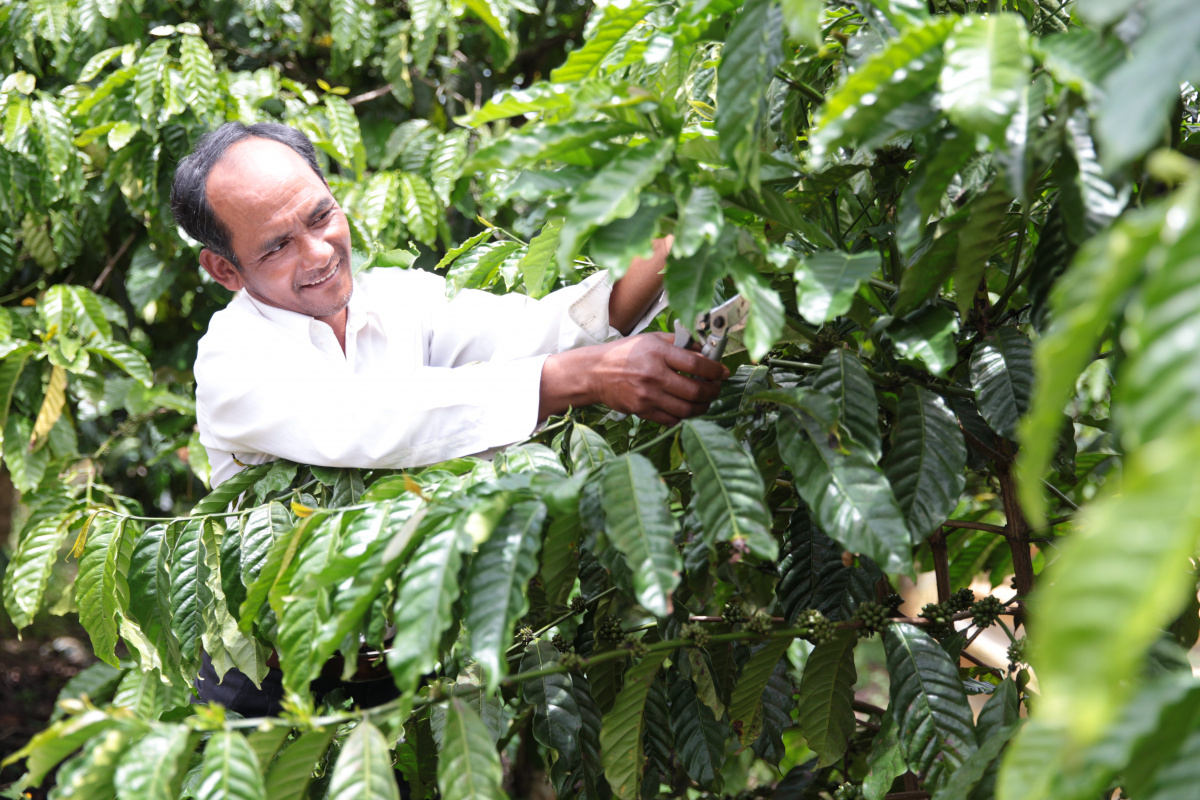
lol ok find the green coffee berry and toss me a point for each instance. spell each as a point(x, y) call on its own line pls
point(985, 612)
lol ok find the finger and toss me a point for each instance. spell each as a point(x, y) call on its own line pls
point(655, 415)
point(690, 389)
point(681, 408)
point(695, 364)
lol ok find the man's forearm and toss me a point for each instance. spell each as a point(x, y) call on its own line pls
point(634, 292)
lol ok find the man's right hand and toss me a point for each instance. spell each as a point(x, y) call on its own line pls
point(639, 375)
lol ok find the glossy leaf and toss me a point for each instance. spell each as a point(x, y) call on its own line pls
point(96, 590)
point(986, 66)
point(849, 496)
point(700, 222)
point(1117, 576)
point(496, 584)
point(131, 361)
point(28, 572)
point(728, 490)
point(934, 721)
point(1002, 376)
point(844, 378)
point(699, 735)
point(746, 699)
point(752, 51)
point(621, 734)
point(639, 525)
point(364, 766)
point(231, 770)
point(927, 336)
point(612, 193)
point(428, 587)
point(152, 768)
point(826, 282)
point(826, 697)
point(915, 55)
point(468, 764)
point(187, 575)
point(556, 720)
point(976, 241)
point(292, 772)
point(925, 465)
point(618, 20)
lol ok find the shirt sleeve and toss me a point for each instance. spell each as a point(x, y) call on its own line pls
point(314, 412)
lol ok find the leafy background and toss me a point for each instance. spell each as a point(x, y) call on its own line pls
point(968, 234)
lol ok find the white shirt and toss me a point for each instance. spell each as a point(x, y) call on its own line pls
point(423, 379)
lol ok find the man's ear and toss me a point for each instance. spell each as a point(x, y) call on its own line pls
point(221, 269)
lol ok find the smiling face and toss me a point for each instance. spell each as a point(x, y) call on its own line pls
point(287, 231)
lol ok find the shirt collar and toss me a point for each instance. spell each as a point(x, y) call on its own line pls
point(361, 310)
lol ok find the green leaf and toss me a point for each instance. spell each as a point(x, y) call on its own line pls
point(1119, 577)
point(525, 147)
point(468, 764)
point(495, 16)
point(132, 362)
point(700, 222)
point(849, 496)
point(621, 734)
point(26, 469)
point(752, 51)
point(428, 589)
point(803, 20)
point(153, 768)
point(1002, 376)
point(1089, 201)
point(97, 682)
point(300, 619)
point(914, 57)
point(727, 489)
point(28, 572)
point(811, 574)
point(844, 378)
point(188, 575)
point(57, 139)
point(1080, 59)
point(1033, 761)
point(556, 720)
point(746, 698)
point(265, 742)
point(928, 336)
point(691, 282)
point(497, 581)
point(639, 524)
point(1141, 93)
point(925, 465)
point(826, 282)
point(764, 326)
point(199, 74)
point(536, 265)
point(364, 766)
point(699, 735)
point(987, 65)
point(618, 20)
point(420, 206)
point(968, 776)
point(885, 762)
point(96, 590)
point(289, 777)
point(148, 78)
point(933, 717)
point(90, 774)
point(143, 693)
point(47, 748)
point(345, 137)
point(976, 241)
point(149, 589)
point(614, 246)
point(1155, 396)
point(612, 193)
point(231, 770)
point(827, 697)
point(446, 162)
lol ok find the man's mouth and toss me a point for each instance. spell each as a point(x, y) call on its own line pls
point(333, 270)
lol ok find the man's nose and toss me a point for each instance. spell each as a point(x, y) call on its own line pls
point(316, 250)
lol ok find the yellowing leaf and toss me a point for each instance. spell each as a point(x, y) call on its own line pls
point(52, 407)
point(301, 510)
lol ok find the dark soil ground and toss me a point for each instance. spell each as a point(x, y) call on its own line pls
point(32, 671)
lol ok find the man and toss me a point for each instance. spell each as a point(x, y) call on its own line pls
point(311, 364)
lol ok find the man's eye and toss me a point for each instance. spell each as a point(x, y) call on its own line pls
point(324, 215)
point(277, 248)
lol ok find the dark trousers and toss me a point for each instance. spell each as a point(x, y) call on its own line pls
point(238, 693)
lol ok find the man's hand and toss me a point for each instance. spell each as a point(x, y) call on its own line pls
point(639, 375)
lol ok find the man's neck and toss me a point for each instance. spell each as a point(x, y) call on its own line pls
point(338, 323)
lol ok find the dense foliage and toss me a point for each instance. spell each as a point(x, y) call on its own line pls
point(961, 226)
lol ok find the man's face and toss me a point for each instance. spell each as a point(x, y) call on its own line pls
point(287, 230)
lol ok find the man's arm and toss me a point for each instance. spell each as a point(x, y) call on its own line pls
point(634, 292)
point(639, 375)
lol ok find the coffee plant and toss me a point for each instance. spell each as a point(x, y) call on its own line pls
point(968, 231)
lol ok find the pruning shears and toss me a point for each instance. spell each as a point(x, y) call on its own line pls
point(715, 326)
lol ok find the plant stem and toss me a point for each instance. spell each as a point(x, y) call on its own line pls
point(975, 526)
point(941, 564)
point(1018, 532)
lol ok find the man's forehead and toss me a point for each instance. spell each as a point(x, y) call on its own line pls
point(258, 179)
